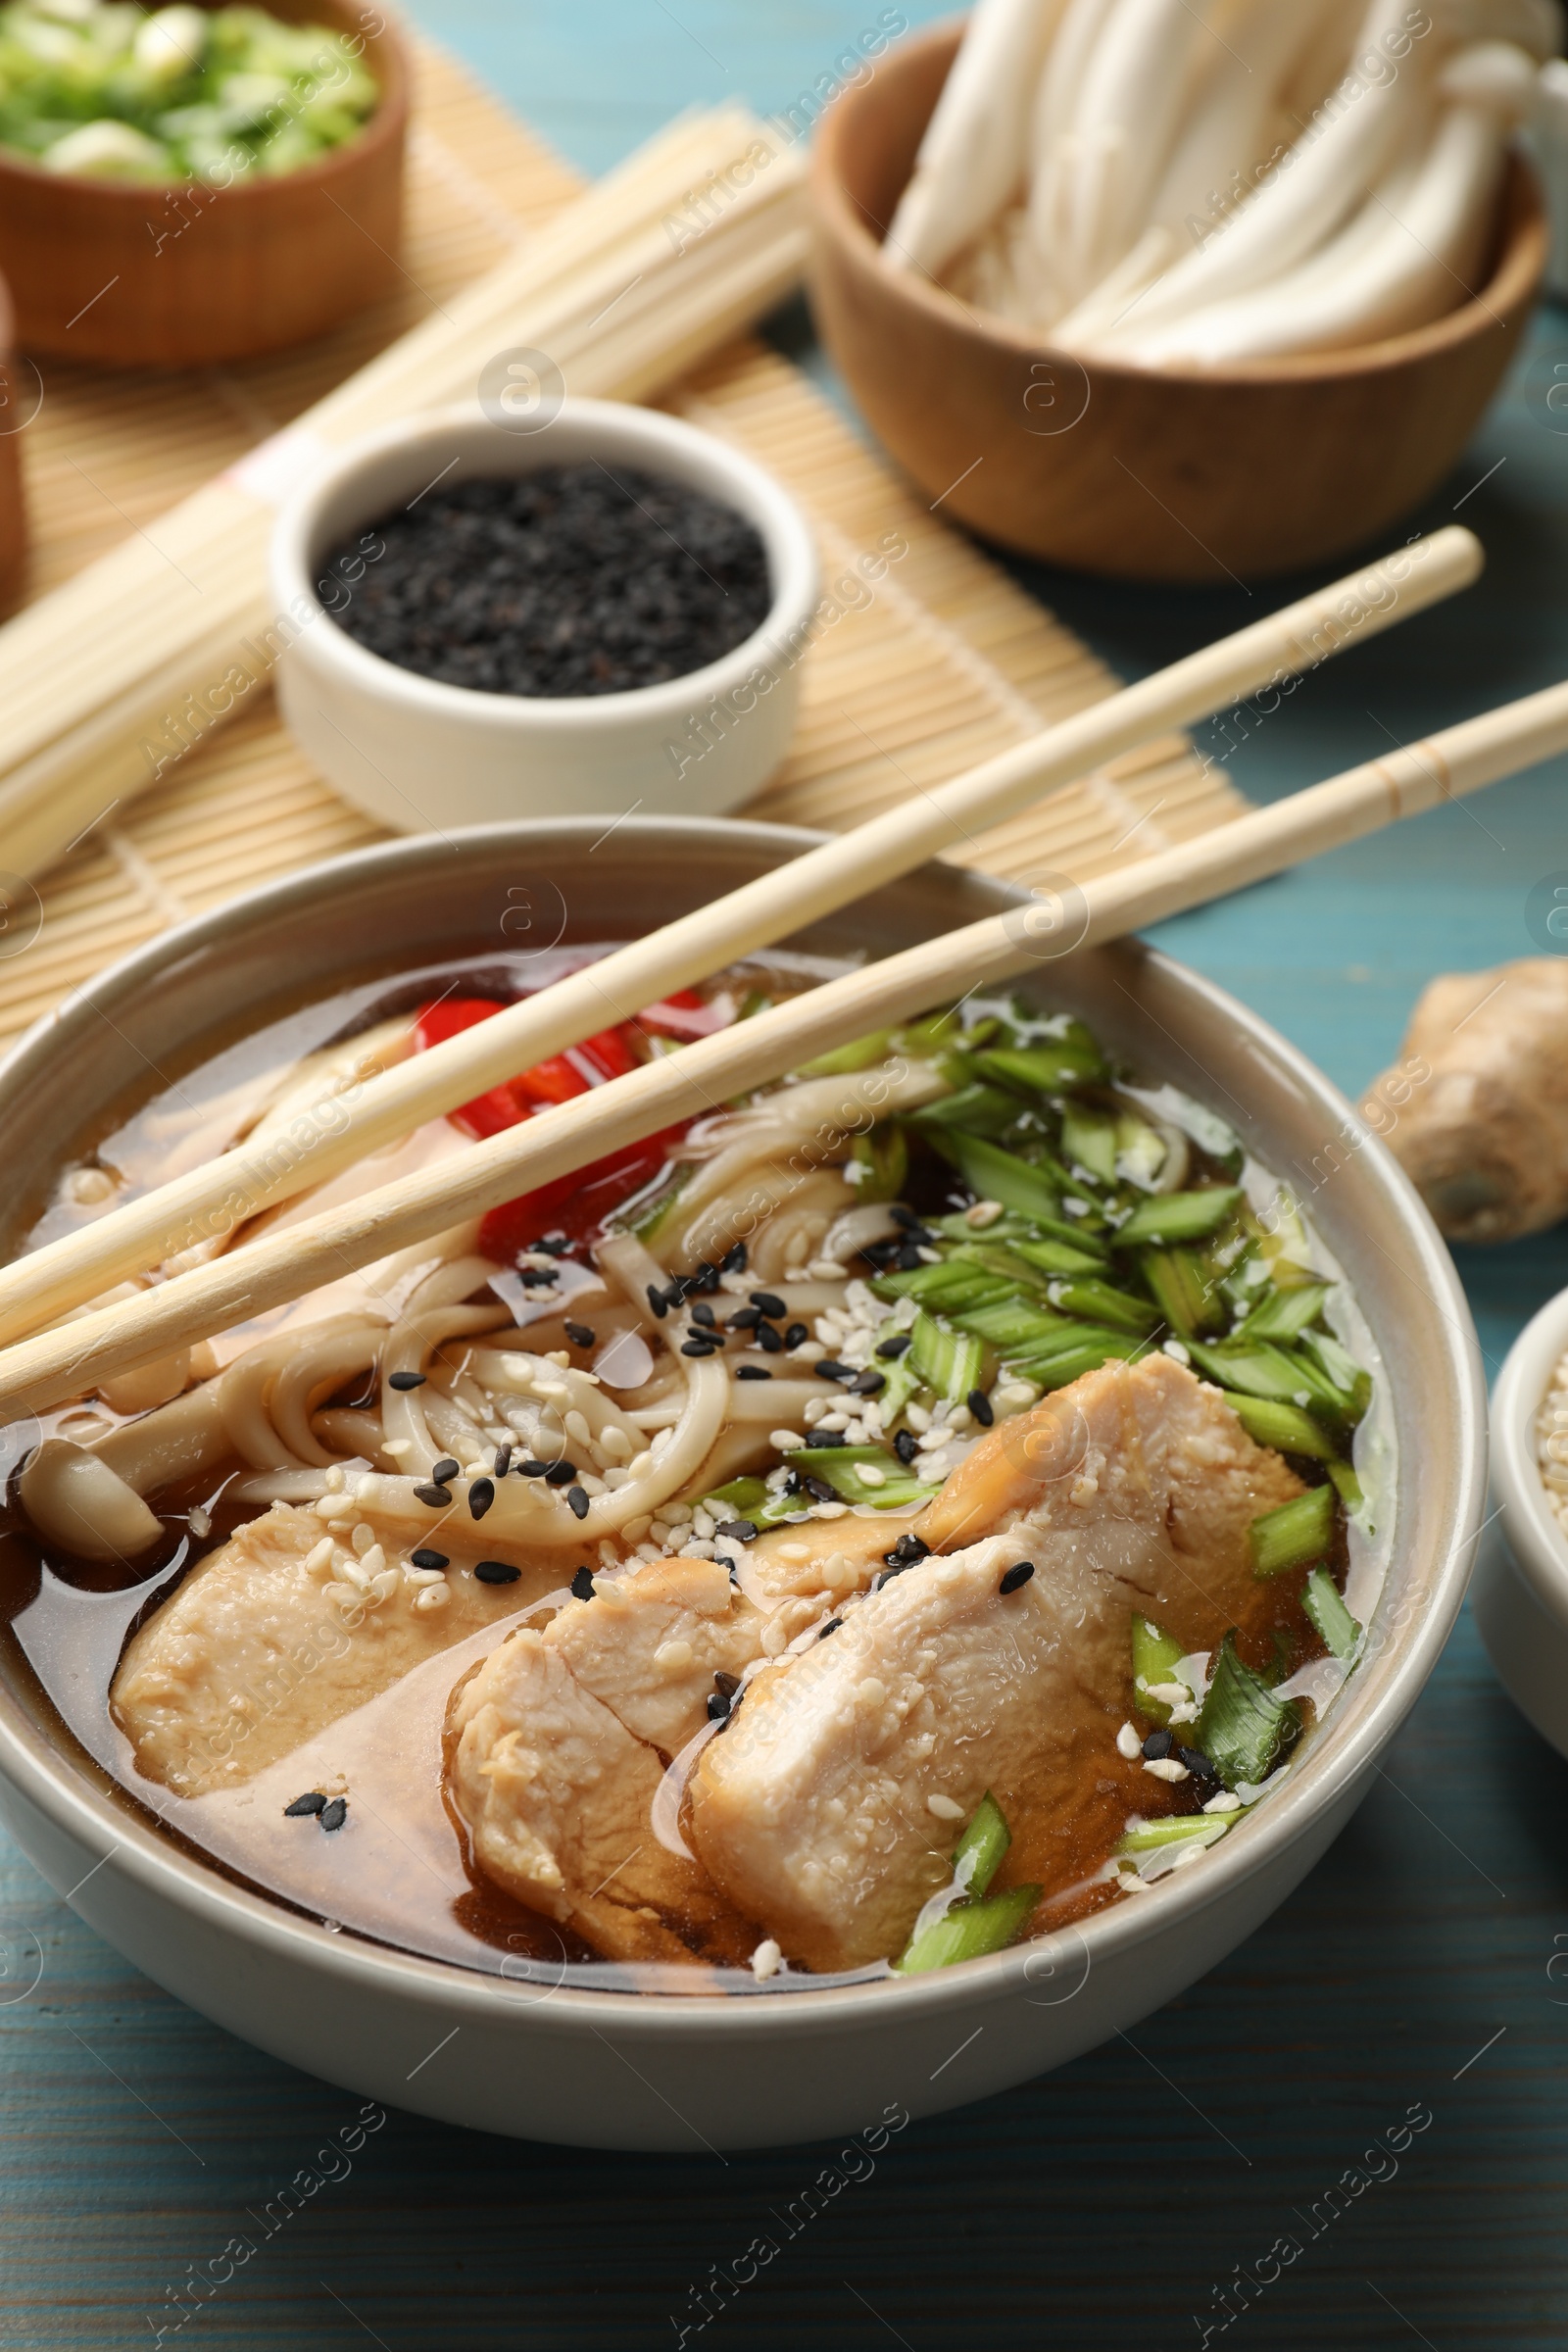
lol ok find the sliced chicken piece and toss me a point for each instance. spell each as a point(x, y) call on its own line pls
point(1134, 1490)
point(556, 1795)
point(650, 1645)
point(254, 1655)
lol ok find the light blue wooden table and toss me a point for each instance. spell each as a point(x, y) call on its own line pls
point(1105, 2206)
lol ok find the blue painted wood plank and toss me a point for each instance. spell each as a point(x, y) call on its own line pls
point(1119, 2203)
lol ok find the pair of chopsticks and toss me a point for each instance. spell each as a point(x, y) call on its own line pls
point(273, 1270)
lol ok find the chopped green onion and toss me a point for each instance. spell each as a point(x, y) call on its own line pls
point(1098, 1302)
point(1284, 1427)
point(1155, 1658)
point(1089, 1138)
point(883, 1158)
point(840, 1466)
point(970, 1930)
point(1181, 1291)
point(1297, 1531)
point(1258, 1369)
point(1058, 1257)
point(978, 1855)
point(1086, 1352)
point(1179, 1217)
point(1347, 1381)
point(1241, 1727)
point(1325, 1607)
point(924, 1038)
point(1010, 1324)
point(1286, 1314)
point(1348, 1487)
point(738, 1500)
point(1177, 1829)
point(1044, 1070)
point(953, 1282)
point(978, 1109)
point(856, 1055)
point(998, 1175)
point(950, 1362)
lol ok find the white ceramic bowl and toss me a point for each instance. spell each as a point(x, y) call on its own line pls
point(424, 756)
point(619, 2070)
point(1521, 1588)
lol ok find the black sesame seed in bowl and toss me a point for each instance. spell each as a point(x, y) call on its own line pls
point(548, 622)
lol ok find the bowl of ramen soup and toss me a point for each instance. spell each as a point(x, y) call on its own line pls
point(821, 1616)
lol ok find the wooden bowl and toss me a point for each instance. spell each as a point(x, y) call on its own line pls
point(16, 403)
point(190, 275)
point(1133, 472)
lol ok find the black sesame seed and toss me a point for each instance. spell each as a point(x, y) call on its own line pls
point(868, 1384)
point(832, 1626)
point(828, 1438)
point(429, 1559)
point(718, 1706)
point(827, 1369)
point(705, 1275)
point(769, 1302)
point(768, 1339)
point(890, 1351)
point(734, 1259)
point(405, 1380)
point(334, 1815)
point(752, 1372)
point(904, 1217)
point(905, 1445)
point(979, 1404)
point(1198, 1764)
point(582, 1585)
point(907, 1259)
point(820, 1489)
point(313, 1801)
point(743, 1531)
point(581, 1334)
point(657, 1302)
point(729, 1684)
point(578, 1499)
point(703, 1313)
point(538, 1278)
point(700, 1345)
point(1157, 1747)
point(436, 1497)
point(481, 1495)
point(907, 1551)
point(1018, 1574)
point(496, 1572)
point(503, 1460)
point(444, 1469)
point(746, 1319)
point(796, 1336)
point(534, 1469)
point(560, 1474)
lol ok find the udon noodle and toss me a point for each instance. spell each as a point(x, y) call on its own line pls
point(899, 1513)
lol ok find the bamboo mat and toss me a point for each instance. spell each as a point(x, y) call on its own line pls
point(946, 664)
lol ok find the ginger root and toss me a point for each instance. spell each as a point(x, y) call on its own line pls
point(1484, 1136)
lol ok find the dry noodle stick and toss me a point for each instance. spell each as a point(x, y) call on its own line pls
point(212, 1200)
point(274, 1270)
point(141, 602)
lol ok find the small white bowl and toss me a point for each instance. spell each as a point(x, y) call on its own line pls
point(422, 757)
point(1521, 1582)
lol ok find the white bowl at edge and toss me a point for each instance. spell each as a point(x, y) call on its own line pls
point(420, 755)
point(1521, 1581)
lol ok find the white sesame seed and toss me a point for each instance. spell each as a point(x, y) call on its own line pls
point(983, 1213)
point(871, 1692)
point(673, 1658)
point(1227, 1801)
point(1169, 1694)
point(870, 1476)
point(1128, 1743)
point(785, 1441)
point(1167, 1768)
point(363, 1538)
point(944, 1808)
point(766, 1960)
point(435, 1597)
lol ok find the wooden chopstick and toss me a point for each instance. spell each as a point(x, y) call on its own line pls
point(270, 1272)
point(37, 1288)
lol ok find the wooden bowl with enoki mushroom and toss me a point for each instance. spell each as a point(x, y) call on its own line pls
point(1066, 446)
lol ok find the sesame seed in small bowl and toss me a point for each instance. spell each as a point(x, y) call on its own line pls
point(1521, 1587)
point(607, 612)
